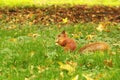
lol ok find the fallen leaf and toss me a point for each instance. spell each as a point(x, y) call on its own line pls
point(1, 16)
point(61, 74)
point(12, 39)
point(75, 35)
point(76, 77)
point(31, 69)
point(59, 26)
point(32, 53)
point(27, 79)
point(65, 20)
point(67, 67)
point(116, 44)
point(108, 62)
point(31, 77)
point(56, 13)
point(73, 64)
point(87, 76)
point(31, 23)
point(30, 15)
point(100, 27)
point(89, 37)
point(33, 35)
point(99, 76)
point(41, 69)
point(11, 27)
point(113, 53)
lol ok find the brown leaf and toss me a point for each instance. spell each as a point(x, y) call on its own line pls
point(59, 14)
point(108, 63)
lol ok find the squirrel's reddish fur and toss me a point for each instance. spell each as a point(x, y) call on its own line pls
point(66, 42)
point(95, 46)
point(70, 44)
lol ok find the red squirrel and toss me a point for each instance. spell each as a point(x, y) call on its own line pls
point(66, 42)
point(70, 44)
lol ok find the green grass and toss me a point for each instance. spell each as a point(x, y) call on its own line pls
point(21, 55)
point(22, 3)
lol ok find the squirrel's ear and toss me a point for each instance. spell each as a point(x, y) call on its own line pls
point(63, 32)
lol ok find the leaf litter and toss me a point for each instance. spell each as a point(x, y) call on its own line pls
point(60, 14)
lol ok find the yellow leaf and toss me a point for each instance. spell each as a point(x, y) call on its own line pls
point(31, 77)
point(113, 53)
point(87, 76)
point(41, 69)
point(75, 35)
point(12, 40)
point(89, 37)
point(60, 63)
point(32, 53)
point(100, 27)
point(33, 35)
point(67, 67)
point(11, 27)
point(65, 20)
point(30, 23)
point(99, 76)
point(27, 79)
point(76, 77)
point(61, 74)
point(14, 26)
point(31, 69)
point(73, 64)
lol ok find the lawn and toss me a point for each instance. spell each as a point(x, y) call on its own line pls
point(28, 50)
point(22, 3)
